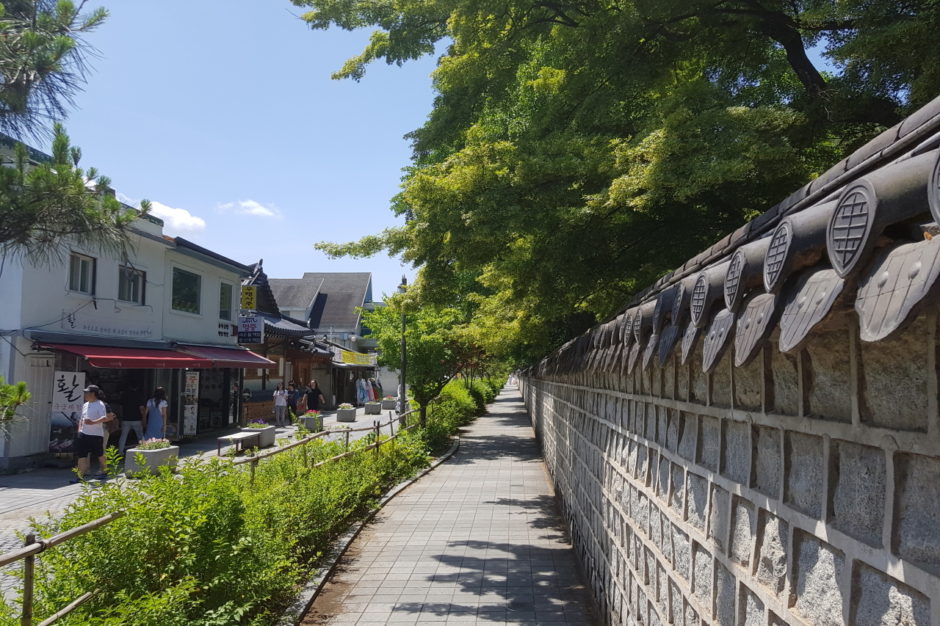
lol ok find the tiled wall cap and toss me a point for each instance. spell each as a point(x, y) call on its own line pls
point(706, 292)
point(754, 325)
point(662, 313)
point(745, 272)
point(627, 326)
point(811, 301)
point(689, 339)
point(667, 343)
point(680, 302)
point(716, 339)
point(893, 194)
point(643, 322)
point(798, 241)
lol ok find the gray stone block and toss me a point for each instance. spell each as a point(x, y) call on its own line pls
point(858, 499)
point(673, 429)
point(736, 463)
point(748, 381)
point(682, 380)
point(677, 496)
point(702, 574)
point(675, 603)
point(682, 554)
point(804, 487)
point(696, 500)
point(883, 600)
point(662, 425)
point(709, 443)
point(917, 506)
point(724, 595)
point(691, 616)
point(772, 551)
point(894, 379)
point(688, 425)
point(826, 372)
point(651, 420)
point(818, 568)
point(742, 531)
point(786, 382)
point(642, 463)
point(751, 609)
point(768, 462)
point(698, 381)
point(656, 533)
point(774, 620)
point(662, 485)
point(718, 517)
point(721, 381)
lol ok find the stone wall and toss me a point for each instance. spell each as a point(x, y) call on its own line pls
point(799, 488)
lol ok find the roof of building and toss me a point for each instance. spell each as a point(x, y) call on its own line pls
point(857, 240)
point(329, 299)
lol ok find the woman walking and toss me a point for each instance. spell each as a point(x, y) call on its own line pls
point(280, 405)
point(155, 421)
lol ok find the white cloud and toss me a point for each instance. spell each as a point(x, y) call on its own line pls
point(177, 220)
point(250, 207)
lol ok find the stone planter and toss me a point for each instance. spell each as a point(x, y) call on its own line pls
point(389, 404)
point(373, 408)
point(267, 435)
point(153, 460)
point(313, 424)
point(345, 415)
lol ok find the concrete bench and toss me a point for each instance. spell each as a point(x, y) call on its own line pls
point(242, 441)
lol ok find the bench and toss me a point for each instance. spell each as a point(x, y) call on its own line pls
point(242, 441)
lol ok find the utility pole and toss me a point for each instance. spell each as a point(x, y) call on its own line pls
point(403, 392)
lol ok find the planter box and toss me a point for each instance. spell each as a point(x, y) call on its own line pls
point(345, 415)
point(313, 424)
point(153, 459)
point(389, 404)
point(373, 408)
point(267, 435)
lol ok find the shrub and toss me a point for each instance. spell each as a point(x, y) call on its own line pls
point(153, 444)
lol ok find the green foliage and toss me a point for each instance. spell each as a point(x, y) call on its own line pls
point(12, 397)
point(576, 151)
point(206, 545)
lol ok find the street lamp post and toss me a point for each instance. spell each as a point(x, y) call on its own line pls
point(403, 391)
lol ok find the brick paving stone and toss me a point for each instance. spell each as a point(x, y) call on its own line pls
point(477, 541)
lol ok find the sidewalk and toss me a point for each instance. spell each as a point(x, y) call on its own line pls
point(46, 492)
point(476, 541)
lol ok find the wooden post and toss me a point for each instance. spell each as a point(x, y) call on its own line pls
point(29, 566)
point(303, 448)
point(347, 440)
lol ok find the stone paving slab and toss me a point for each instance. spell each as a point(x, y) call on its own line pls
point(477, 541)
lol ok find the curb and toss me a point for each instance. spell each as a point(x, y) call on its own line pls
point(311, 590)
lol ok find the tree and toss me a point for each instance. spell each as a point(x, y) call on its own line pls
point(43, 201)
point(12, 397)
point(577, 150)
point(433, 353)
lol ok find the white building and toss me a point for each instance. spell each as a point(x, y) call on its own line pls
point(164, 317)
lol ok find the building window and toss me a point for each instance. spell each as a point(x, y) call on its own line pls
point(186, 290)
point(225, 302)
point(131, 285)
point(81, 273)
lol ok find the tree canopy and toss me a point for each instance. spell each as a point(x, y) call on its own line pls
point(578, 149)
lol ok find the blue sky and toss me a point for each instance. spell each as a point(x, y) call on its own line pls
point(223, 113)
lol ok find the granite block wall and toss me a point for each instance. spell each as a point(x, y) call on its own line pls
point(799, 489)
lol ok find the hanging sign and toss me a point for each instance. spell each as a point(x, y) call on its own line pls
point(67, 401)
point(190, 402)
point(250, 329)
point(249, 299)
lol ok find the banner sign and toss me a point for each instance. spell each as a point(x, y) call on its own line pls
point(249, 299)
point(190, 402)
point(250, 329)
point(357, 358)
point(67, 401)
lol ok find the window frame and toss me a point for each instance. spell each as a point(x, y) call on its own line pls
point(231, 298)
point(173, 298)
point(142, 287)
point(93, 271)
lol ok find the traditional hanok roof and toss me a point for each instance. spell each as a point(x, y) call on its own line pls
point(857, 239)
point(329, 299)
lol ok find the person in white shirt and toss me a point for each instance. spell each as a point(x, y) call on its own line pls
point(91, 430)
point(280, 405)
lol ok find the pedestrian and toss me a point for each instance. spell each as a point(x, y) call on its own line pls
point(132, 422)
point(91, 431)
point(111, 425)
point(314, 397)
point(280, 405)
point(292, 395)
point(156, 415)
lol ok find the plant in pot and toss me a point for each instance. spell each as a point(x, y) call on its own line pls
point(266, 431)
point(312, 421)
point(373, 408)
point(346, 413)
point(389, 403)
point(149, 456)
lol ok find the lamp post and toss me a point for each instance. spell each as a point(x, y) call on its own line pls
point(402, 389)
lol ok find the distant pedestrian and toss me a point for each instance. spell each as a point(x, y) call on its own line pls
point(292, 397)
point(156, 415)
point(132, 422)
point(280, 405)
point(91, 431)
point(314, 397)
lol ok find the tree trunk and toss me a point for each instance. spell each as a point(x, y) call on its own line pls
point(423, 415)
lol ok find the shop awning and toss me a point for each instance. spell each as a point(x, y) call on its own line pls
point(131, 358)
point(229, 357)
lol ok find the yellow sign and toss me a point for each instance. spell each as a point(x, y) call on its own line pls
point(356, 358)
point(249, 298)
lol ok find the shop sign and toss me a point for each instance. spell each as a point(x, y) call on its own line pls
point(190, 402)
point(356, 358)
point(250, 329)
point(101, 325)
point(67, 401)
point(249, 298)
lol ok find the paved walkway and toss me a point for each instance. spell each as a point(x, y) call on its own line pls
point(476, 541)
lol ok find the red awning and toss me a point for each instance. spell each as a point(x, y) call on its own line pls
point(132, 358)
point(229, 357)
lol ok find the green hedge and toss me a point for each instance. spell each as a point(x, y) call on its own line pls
point(205, 546)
